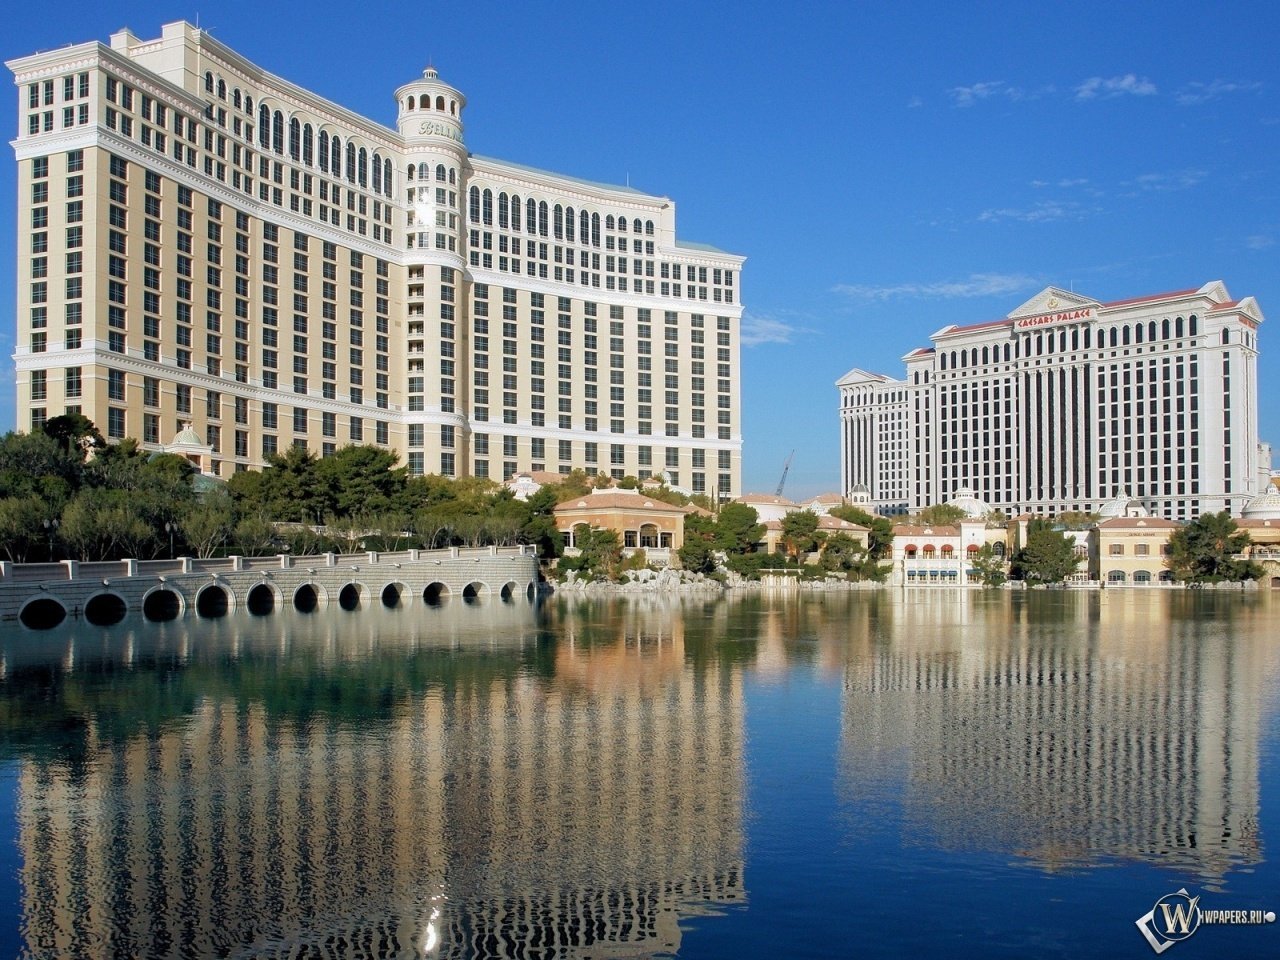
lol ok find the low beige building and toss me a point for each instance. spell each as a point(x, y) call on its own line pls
point(640, 521)
point(827, 526)
point(1131, 550)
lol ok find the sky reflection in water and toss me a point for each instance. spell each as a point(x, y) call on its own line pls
point(871, 774)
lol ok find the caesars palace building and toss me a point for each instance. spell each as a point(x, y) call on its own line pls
point(201, 242)
point(1065, 404)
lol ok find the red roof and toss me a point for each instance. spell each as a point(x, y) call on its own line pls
point(980, 326)
point(1138, 523)
point(1172, 295)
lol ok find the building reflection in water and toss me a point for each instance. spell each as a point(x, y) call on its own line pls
point(481, 782)
point(1067, 728)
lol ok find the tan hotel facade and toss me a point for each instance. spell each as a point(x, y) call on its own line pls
point(202, 242)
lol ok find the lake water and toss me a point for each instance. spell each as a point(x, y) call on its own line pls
point(844, 775)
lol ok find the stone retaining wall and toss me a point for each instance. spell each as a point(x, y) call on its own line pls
point(43, 595)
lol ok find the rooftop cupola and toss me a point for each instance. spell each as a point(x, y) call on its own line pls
point(430, 110)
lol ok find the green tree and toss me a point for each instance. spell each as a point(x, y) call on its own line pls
point(1206, 551)
point(696, 555)
point(1049, 555)
point(737, 528)
point(540, 529)
point(101, 524)
point(841, 553)
point(880, 529)
point(255, 535)
point(599, 552)
point(940, 515)
point(207, 523)
point(989, 566)
point(22, 527)
point(1077, 519)
point(800, 533)
point(33, 464)
point(74, 433)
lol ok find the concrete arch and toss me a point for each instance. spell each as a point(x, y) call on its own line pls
point(262, 599)
point(475, 592)
point(510, 590)
point(42, 613)
point(309, 597)
point(395, 594)
point(160, 604)
point(435, 593)
point(531, 592)
point(105, 609)
point(214, 600)
point(352, 596)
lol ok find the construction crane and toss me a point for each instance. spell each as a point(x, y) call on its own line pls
point(785, 467)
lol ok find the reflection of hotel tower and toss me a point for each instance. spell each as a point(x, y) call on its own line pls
point(496, 817)
point(1101, 740)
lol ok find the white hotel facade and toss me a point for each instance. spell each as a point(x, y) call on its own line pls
point(202, 242)
point(1065, 404)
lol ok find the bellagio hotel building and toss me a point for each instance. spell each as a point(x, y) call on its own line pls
point(203, 242)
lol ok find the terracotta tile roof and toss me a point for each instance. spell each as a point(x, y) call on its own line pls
point(768, 498)
point(829, 524)
point(1138, 523)
point(1171, 295)
point(617, 500)
point(1005, 322)
point(910, 530)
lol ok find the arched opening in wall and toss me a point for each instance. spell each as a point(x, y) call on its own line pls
point(305, 598)
point(260, 600)
point(531, 592)
point(349, 597)
point(162, 605)
point(1275, 583)
point(509, 591)
point(43, 613)
point(474, 592)
point(105, 609)
point(393, 595)
point(212, 602)
point(435, 594)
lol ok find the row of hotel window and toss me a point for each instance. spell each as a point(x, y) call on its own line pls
point(358, 163)
point(117, 289)
point(1041, 343)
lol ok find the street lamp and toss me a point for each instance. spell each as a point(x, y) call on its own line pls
point(51, 527)
point(171, 528)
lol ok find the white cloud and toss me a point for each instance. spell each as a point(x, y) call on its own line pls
point(915, 102)
point(1107, 87)
point(1196, 93)
point(975, 285)
point(757, 329)
point(1172, 180)
point(968, 96)
point(1259, 241)
point(1042, 211)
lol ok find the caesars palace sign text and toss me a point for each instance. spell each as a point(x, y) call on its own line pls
point(1048, 319)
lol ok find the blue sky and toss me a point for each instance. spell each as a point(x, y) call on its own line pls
point(888, 168)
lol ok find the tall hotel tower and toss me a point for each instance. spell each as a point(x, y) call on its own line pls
point(201, 242)
point(1065, 404)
